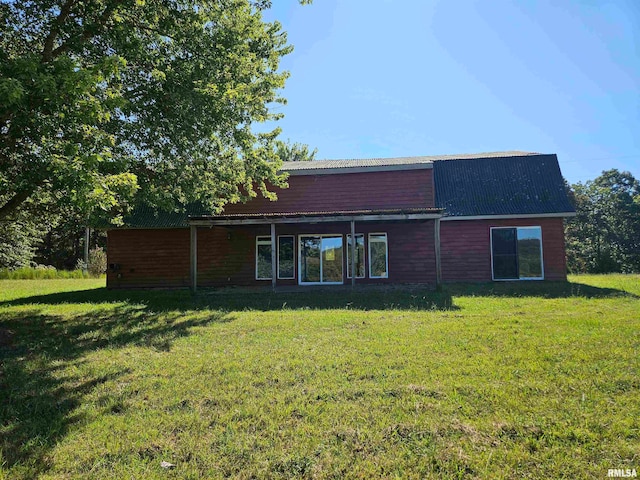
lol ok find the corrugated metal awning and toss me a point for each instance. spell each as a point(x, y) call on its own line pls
point(318, 217)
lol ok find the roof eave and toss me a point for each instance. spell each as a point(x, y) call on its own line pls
point(359, 169)
point(510, 216)
point(210, 221)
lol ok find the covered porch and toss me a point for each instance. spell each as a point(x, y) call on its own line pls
point(294, 250)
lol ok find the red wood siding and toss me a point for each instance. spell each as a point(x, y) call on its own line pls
point(349, 191)
point(226, 255)
point(466, 250)
point(148, 258)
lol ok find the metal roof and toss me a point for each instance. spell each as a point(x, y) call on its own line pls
point(149, 218)
point(526, 185)
point(399, 162)
point(319, 216)
point(335, 213)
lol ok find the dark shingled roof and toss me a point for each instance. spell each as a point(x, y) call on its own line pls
point(516, 185)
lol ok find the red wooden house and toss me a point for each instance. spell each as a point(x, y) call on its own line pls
point(418, 220)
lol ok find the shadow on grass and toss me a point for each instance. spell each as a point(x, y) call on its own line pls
point(39, 399)
point(535, 289)
point(153, 300)
point(362, 298)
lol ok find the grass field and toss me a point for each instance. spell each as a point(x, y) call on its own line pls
point(532, 380)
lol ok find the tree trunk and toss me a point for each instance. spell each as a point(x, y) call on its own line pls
point(14, 202)
point(87, 239)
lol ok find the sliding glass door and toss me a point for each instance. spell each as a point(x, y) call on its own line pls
point(320, 259)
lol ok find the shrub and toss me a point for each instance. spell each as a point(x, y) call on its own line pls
point(97, 261)
point(81, 265)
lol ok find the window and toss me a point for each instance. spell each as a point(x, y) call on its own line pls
point(516, 253)
point(263, 258)
point(320, 258)
point(286, 269)
point(378, 256)
point(359, 256)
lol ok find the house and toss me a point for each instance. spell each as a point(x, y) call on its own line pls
point(418, 220)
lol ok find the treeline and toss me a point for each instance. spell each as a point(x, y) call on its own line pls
point(604, 236)
point(31, 238)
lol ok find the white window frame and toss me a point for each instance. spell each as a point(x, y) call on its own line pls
point(541, 254)
point(330, 235)
point(262, 240)
point(386, 251)
point(348, 253)
point(293, 237)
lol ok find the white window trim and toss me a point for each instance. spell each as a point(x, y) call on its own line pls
point(541, 254)
point(293, 259)
point(348, 249)
point(332, 235)
point(262, 240)
point(386, 248)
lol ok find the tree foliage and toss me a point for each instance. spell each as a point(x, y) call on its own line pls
point(604, 236)
point(294, 152)
point(62, 244)
point(101, 100)
point(18, 241)
point(21, 233)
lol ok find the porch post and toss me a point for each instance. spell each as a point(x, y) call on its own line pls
point(437, 249)
point(194, 258)
point(353, 253)
point(274, 253)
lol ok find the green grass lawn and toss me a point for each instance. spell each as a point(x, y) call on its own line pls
point(530, 380)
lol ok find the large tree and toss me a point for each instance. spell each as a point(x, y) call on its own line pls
point(104, 99)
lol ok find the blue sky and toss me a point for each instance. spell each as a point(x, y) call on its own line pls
point(388, 78)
